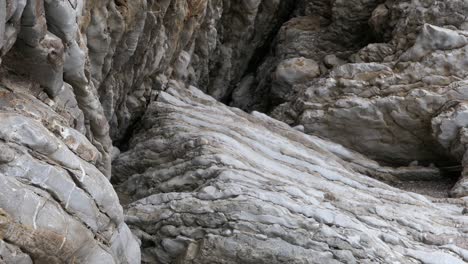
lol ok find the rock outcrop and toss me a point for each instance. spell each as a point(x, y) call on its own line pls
point(212, 184)
point(56, 206)
point(135, 46)
point(77, 74)
point(56, 202)
point(101, 91)
point(320, 29)
point(381, 96)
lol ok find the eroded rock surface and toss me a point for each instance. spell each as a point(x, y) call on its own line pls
point(135, 46)
point(212, 184)
point(319, 29)
point(56, 202)
point(383, 98)
point(83, 83)
point(56, 206)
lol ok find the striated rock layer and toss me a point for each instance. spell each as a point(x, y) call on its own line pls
point(55, 205)
point(76, 74)
point(385, 78)
point(211, 184)
point(85, 82)
point(135, 46)
point(56, 202)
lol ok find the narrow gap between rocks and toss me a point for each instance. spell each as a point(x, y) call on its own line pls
point(438, 187)
point(123, 143)
point(257, 59)
point(263, 51)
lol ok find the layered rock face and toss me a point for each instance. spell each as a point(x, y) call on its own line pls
point(101, 91)
point(56, 203)
point(136, 46)
point(394, 100)
point(212, 184)
point(56, 206)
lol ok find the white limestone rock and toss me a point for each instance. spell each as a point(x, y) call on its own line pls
point(208, 183)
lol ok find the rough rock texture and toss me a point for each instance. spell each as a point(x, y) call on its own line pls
point(320, 28)
point(56, 203)
point(121, 51)
point(382, 95)
point(221, 186)
point(134, 47)
point(76, 74)
point(87, 82)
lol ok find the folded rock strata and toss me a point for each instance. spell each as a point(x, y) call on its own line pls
point(115, 53)
point(56, 202)
point(383, 98)
point(391, 111)
point(56, 206)
point(135, 46)
point(71, 68)
point(212, 184)
point(205, 183)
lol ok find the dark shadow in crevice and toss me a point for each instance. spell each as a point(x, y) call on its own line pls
point(123, 143)
point(263, 51)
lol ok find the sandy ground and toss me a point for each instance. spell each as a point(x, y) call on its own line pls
point(437, 189)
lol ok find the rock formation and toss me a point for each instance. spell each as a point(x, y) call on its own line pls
point(212, 184)
point(117, 144)
point(391, 100)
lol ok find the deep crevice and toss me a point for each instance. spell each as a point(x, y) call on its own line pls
point(123, 143)
point(263, 51)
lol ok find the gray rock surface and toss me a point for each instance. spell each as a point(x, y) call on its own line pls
point(380, 100)
point(56, 206)
point(134, 46)
point(56, 202)
point(212, 184)
point(96, 89)
point(319, 29)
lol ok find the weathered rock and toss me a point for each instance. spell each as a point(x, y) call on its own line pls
point(212, 184)
point(290, 72)
point(383, 103)
point(56, 204)
point(204, 183)
point(51, 51)
point(68, 69)
point(12, 254)
point(134, 46)
point(321, 28)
